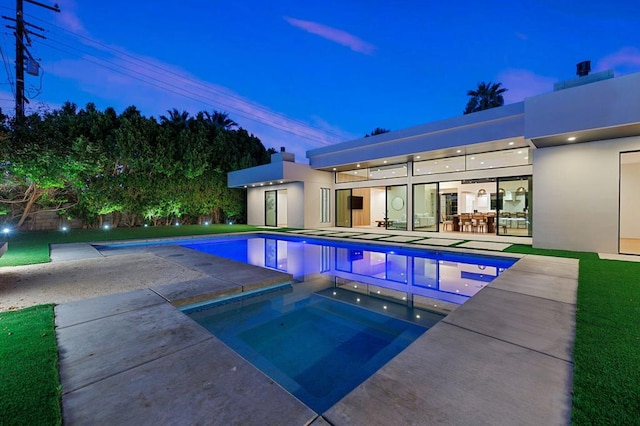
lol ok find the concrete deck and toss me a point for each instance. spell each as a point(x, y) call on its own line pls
point(504, 357)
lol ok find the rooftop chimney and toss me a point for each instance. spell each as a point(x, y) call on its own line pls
point(583, 68)
point(282, 149)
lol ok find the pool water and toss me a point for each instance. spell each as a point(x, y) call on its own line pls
point(315, 346)
point(351, 309)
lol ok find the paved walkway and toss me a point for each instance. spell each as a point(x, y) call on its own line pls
point(504, 357)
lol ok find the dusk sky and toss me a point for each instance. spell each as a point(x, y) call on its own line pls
point(308, 74)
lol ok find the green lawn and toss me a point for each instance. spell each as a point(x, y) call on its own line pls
point(29, 384)
point(606, 386)
point(606, 376)
point(33, 247)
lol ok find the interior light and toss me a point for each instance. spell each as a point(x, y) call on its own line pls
point(270, 183)
point(358, 299)
point(355, 286)
point(253, 186)
point(378, 291)
point(281, 181)
point(262, 184)
point(571, 139)
point(384, 307)
point(418, 316)
point(245, 186)
point(334, 293)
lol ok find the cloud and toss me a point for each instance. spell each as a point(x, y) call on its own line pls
point(116, 77)
point(625, 60)
point(68, 19)
point(523, 84)
point(341, 37)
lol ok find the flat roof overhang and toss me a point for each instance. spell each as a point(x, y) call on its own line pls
point(268, 174)
point(491, 130)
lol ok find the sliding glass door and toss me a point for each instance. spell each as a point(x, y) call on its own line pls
point(629, 202)
point(271, 208)
point(343, 208)
point(425, 207)
point(397, 207)
point(514, 205)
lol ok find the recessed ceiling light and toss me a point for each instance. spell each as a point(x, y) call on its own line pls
point(270, 183)
point(281, 181)
point(459, 151)
point(334, 169)
point(384, 162)
point(418, 157)
point(510, 143)
point(526, 158)
point(262, 184)
point(482, 162)
point(357, 165)
point(245, 186)
point(472, 158)
point(571, 139)
point(520, 152)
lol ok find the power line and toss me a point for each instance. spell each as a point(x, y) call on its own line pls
point(154, 69)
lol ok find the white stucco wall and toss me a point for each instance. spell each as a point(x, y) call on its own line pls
point(576, 195)
point(302, 199)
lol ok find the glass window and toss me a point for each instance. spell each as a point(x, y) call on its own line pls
point(492, 160)
point(387, 172)
point(325, 216)
point(441, 165)
point(351, 176)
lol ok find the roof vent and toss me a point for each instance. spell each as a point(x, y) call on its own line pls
point(583, 68)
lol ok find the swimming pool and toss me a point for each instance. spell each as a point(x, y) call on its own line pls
point(351, 309)
point(439, 280)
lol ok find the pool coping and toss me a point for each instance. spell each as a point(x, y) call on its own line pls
point(519, 329)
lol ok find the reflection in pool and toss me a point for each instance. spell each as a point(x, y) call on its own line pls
point(437, 280)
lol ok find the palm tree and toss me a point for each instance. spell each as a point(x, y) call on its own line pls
point(487, 95)
point(220, 119)
point(177, 118)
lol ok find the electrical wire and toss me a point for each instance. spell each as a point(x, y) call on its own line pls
point(312, 133)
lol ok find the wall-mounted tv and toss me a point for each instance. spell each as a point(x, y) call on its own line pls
point(356, 202)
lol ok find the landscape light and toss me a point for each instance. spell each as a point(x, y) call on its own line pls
point(146, 225)
point(106, 226)
point(206, 223)
point(64, 229)
point(177, 223)
point(6, 231)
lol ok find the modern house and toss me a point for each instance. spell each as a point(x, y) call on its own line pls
point(562, 168)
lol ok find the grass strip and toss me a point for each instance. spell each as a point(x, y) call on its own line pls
point(29, 383)
point(26, 248)
point(606, 372)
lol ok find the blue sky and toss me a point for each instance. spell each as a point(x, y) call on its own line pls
point(307, 74)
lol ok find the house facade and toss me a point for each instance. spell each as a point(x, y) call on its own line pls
point(562, 168)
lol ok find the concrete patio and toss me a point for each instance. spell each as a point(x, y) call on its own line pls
point(504, 357)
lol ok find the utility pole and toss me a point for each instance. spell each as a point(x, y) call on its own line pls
point(19, 60)
point(21, 32)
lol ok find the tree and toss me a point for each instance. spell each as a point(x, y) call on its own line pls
point(486, 96)
point(377, 131)
point(220, 120)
